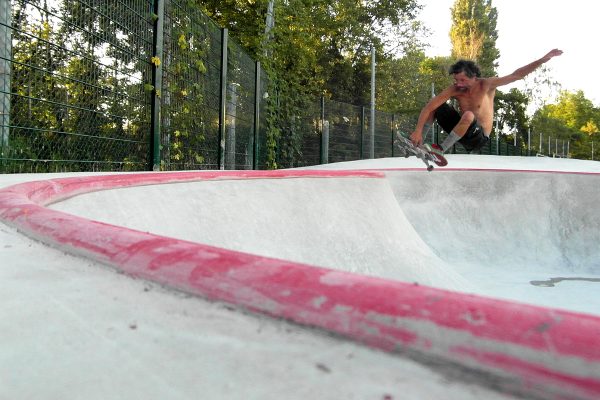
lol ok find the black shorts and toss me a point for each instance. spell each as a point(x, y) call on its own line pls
point(448, 118)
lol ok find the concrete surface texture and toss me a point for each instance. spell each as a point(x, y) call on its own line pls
point(74, 328)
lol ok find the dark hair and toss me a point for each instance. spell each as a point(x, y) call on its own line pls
point(468, 67)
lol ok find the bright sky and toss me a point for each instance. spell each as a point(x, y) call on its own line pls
point(528, 29)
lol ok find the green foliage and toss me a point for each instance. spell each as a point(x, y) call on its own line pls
point(406, 83)
point(575, 110)
point(473, 33)
point(185, 117)
point(436, 71)
point(316, 48)
point(511, 113)
point(403, 88)
point(573, 118)
point(245, 20)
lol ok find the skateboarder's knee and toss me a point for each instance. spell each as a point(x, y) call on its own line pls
point(468, 117)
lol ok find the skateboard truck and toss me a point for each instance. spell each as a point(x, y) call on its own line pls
point(409, 149)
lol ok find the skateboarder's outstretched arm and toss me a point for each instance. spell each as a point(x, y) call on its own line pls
point(522, 72)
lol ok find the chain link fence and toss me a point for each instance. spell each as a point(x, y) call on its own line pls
point(73, 86)
point(127, 85)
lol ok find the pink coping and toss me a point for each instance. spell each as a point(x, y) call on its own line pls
point(548, 351)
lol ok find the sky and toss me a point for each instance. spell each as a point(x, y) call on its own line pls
point(527, 30)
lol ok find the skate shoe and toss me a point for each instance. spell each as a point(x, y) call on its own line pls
point(438, 154)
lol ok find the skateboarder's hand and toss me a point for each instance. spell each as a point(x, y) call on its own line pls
point(416, 138)
point(552, 53)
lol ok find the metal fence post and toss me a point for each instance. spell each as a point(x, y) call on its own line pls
point(362, 132)
point(497, 144)
point(325, 143)
point(5, 75)
point(223, 99)
point(256, 115)
point(372, 118)
point(231, 118)
point(159, 11)
point(393, 127)
point(321, 144)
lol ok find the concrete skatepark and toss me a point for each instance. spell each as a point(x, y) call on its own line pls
point(476, 281)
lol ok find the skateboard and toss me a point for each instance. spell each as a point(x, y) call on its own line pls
point(407, 149)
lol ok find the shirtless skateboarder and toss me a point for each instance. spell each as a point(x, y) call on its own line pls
point(472, 126)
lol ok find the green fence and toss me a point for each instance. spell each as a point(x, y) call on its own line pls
point(74, 86)
point(126, 85)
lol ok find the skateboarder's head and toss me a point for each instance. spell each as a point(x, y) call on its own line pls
point(465, 74)
point(469, 68)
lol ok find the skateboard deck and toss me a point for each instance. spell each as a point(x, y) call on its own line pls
point(407, 149)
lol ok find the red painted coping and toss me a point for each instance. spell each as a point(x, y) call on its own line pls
point(522, 349)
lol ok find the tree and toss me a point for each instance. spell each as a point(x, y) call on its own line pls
point(473, 33)
point(540, 86)
point(320, 43)
point(573, 118)
point(574, 109)
point(401, 85)
point(435, 70)
point(511, 113)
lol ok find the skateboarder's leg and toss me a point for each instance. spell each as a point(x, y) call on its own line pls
point(448, 118)
point(459, 130)
point(465, 121)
